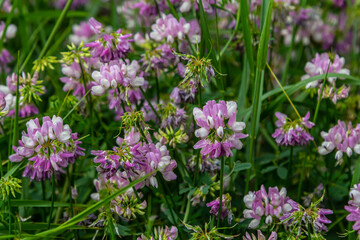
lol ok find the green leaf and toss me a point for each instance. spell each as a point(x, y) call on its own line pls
point(247, 33)
point(41, 203)
point(264, 38)
point(241, 166)
point(282, 172)
point(78, 218)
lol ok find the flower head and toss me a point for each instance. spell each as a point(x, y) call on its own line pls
point(219, 131)
point(49, 148)
point(260, 236)
point(225, 209)
point(344, 138)
point(291, 133)
point(322, 64)
point(271, 205)
point(354, 207)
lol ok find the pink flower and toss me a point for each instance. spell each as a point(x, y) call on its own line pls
point(225, 209)
point(260, 236)
point(49, 147)
point(291, 133)
point(219, 131)
point(354, 207)
point(271, 205)
point(345, 139)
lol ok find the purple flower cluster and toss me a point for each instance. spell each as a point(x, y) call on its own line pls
point(49, 147)
point(136, 159)
point(73, 80)
point(162, 233)
point(319, 65)
point(108, 47)
point(345, 139)
point(219, 131)
point(291, 133)
point(354, 207)
point(272, 205)
point(312, 217)
point(260, 236)
point(169, 28)
point(81, 33)
point(225, 209)
point(118, 75)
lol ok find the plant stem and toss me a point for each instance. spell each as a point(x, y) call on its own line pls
point(57, 25)
point(290, 166)
point(150, 104)
point(187, 211)
point(52, 199)
point(222, 165)
point(301, 179)
point(321, 93)
point(9, 206)
point(253, 128)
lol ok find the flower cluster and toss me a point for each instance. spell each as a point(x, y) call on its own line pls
point(225, 209)
point(76, 75)
point(136, 159)
point(291, 133)
point(162, 233)
point(219, 131)
point(9, 185)
point(322, 64)
point(123, 77)
point(310, 221)
point(125, 206)
point(108, 47)
point(260, 236)
point(345, 139)
point(271, 205)
point(168, 28)
point(81, 33)
point(354, 207)
point(30, 90)
point(49, 148)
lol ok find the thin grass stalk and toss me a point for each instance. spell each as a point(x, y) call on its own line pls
point(288, 56)
point(52, 199)
point(7, 23)
point(150, 104)
point(222, 166)
point(187, 211)
point(9, 209)
point(232, 35)
point(16, 119)
point(287, 96)
point(253, 128)
point(290, 165)
point(321, 93)
point(57, 25)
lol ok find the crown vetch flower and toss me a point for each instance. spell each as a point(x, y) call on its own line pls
point(81, 32)
point(271, 205)
point(111, 46)
point(219, 131)
point(162, 233)
point(354, 207)
point(118, 75)
point(168, 28)
point(319, 65)
point(73, 76)
point(49, 147)
point(345, 139)
point(260, 236)
point(225, 209)
point(291, 133)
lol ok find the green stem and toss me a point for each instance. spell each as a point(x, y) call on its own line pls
point(290, 166)
point(57, 25)
point(187, 211)
point(222, 166)
point(301, 179)
point(52, 199)
point(321, 93)
point(253, 128)
point(288, 56)
point(150, 104)
point(9, 206)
